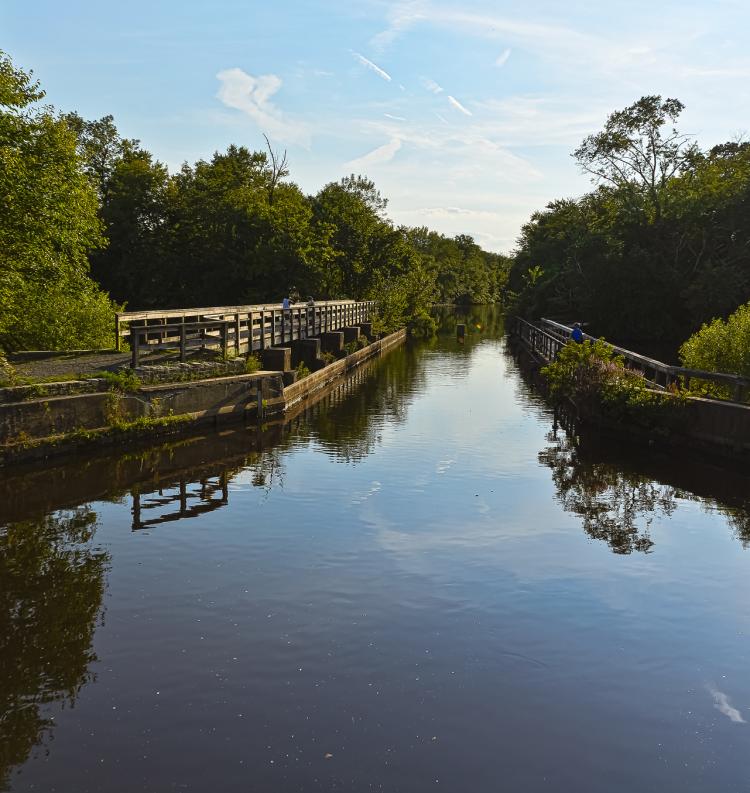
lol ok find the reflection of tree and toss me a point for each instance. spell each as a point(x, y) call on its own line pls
point(486, 321)
point(51, 588)
point(616, 505)
point(738, 519)
point(349, 422)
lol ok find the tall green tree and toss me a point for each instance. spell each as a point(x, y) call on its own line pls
point(48, 225)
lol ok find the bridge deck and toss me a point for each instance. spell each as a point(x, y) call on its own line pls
point(239, 329)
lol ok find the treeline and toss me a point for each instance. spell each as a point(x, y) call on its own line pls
point(90, 219)
point(661, 245)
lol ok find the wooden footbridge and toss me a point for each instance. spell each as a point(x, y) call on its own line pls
point(240, 329)
point(545, 338)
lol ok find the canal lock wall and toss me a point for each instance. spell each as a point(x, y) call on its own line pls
point(709, 427)
point(64, 419)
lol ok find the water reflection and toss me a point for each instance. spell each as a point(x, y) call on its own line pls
point(53, 580)
point(309, 634)
point(618, 491)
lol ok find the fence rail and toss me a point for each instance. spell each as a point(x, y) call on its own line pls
point(549, 336)
point(237, 328)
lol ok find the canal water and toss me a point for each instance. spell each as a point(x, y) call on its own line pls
point(421, 583)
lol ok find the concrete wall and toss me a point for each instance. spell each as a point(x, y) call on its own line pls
point(40, 418)
point(311, 383)
point(47, 420)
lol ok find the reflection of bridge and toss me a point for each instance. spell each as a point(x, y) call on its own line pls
point(206, 496)
point(198, 491)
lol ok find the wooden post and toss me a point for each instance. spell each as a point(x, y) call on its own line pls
point(134, 340)
point(738, 392)
point(183, 345)
point(262, 330)
point(237, 327)
point(224, 338)
point(117, 332)
point(273, 328)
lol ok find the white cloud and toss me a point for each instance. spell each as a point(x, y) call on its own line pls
point(432, 86)
point(455, 103)
point(394, 118)
point(252, 96)
point(402, 16)
point(724, 706)
point(382, 154)
point(373, 67)
point(502, 58)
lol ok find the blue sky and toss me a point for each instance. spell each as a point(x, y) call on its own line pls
point(464, 113)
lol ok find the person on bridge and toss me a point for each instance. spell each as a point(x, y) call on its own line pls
point(577, 334)
point(285, 304)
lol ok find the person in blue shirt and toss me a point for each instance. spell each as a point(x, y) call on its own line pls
point(577, 334)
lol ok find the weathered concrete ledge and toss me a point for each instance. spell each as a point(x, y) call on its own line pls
point(34, 429)
point(709, 426)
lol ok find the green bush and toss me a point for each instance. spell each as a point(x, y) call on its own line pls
point(253, 364)
point(7, 372)
point(721, 346)
point(302, 371)
point(60, 316)
point(126, 380)
point(594, 377)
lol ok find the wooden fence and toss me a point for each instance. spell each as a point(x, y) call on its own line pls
point(239, 329)
point(546, 339)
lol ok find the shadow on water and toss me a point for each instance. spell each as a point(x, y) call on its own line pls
point(53, 581)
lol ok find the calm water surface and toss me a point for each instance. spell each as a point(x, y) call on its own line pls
point(418, 585)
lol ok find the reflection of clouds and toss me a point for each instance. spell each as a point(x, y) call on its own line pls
point(443, 466)
point(360, 499)
point(723, 705)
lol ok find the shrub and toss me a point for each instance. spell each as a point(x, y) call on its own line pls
point(302, 370)
point(253, 364)
point(7, 372)
point(721, 346)
point(594, 377)
point(126, 380)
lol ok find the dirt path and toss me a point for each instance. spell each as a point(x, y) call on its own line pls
point(71, 365)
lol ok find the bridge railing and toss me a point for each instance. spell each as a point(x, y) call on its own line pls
point(236, 328)
point(549, 336)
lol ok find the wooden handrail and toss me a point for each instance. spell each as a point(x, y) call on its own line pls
point(669, 372)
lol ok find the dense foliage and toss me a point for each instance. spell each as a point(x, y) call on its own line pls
point(593, 377)
point(661, 245)
point(233, 231)
point(48, 225)
point(230, 230)
point(721, 346)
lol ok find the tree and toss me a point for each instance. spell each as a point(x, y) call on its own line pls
point(635, 154)
point(100, 147)
point(48, 225)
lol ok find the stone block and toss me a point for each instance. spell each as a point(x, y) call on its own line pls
point(305, 351)
point(277, 359)
point(333, 341)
